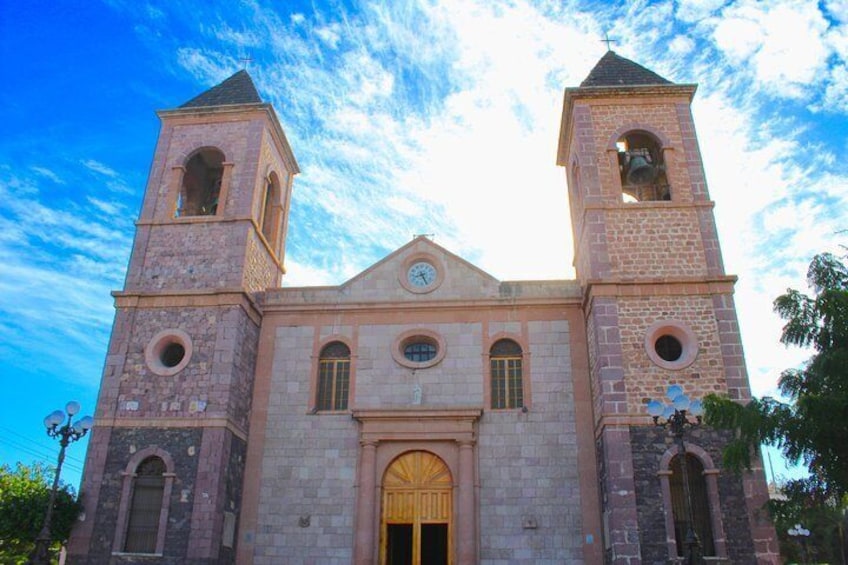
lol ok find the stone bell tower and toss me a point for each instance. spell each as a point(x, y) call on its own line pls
point(659, 310)
point(164, 471)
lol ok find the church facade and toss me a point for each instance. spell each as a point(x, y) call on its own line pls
point(422, 412)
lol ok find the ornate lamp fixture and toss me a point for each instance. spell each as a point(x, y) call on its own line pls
point(67, 434)
point(679, 416)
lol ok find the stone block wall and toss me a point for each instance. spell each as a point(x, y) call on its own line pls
point(649, 444)
point(216, 381)
point(528, 471)
point(306, 507)
point(183, 444)
point(654, 241)
point(529, 494)
point(644, 379)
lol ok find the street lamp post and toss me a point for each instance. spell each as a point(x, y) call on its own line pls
point(800, 533)
point(67, 434)
point(676, 417)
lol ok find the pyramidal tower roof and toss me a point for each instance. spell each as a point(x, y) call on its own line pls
point(614, 70)
point(238, 89)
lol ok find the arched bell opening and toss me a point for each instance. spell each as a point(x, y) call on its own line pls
point(201, 184)
point(642, 168)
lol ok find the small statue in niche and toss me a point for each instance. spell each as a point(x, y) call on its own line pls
point(416, 394)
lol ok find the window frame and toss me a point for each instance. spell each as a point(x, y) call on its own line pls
point(338, 378)
point(181, 198)
point(129, 476)
point(510, 368)
point(710, 478)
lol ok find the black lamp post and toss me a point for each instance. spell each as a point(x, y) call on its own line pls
point(679, 416)
point(67, 433)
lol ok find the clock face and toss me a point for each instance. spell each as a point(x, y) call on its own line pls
point(421, 274)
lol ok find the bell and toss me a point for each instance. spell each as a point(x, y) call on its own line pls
point(639, 171)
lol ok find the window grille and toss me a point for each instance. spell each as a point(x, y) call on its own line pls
point(702, 523)
point(506, 374)
point(146, 506)
point(333, 377)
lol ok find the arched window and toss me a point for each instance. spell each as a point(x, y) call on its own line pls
point(333, 377)
point(506, 374)
point(270, 208)
point(145, 510)
point(698, 498)
point(640, 162)
point(201, 185)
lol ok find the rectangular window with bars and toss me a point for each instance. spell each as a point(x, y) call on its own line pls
point(333, 384)
point(507, 382)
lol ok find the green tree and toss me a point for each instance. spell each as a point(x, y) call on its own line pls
point(24, 494)
point(811, 425)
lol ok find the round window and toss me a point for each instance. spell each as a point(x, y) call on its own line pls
point(418, 349)
point(168, 352)
point(668, 348)
point(671, 345)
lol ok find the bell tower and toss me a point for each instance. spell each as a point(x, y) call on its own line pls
point(659, 310)
point(165, 466)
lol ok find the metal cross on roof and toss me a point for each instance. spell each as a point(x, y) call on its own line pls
point(607, 40)
point(247, 59)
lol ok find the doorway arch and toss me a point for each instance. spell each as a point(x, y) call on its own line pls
point(416, 513)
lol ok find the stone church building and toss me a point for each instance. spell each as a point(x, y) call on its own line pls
point(423, 412)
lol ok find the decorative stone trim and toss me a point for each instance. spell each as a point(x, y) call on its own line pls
point(168, 352)
point(675, 331)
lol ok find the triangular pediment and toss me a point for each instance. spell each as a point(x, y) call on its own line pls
point(421, 270)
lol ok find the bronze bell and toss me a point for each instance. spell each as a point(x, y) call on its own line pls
point(640, 171)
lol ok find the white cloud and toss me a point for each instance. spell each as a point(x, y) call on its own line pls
point(47, 173)
point(206, 65)
point(681, 45)
point(782, 41)
point(99, 167)
point(246, 38)
point(837, 9)
point(836, 92)
point(694, 10)
point(107, 208)
point(329, 34)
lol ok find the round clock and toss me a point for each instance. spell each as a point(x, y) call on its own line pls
point(421, 274)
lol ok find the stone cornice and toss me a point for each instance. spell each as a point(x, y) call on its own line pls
point(188, 298)
point(646, 287)
point(418, 424)
point(172, 422)
point(460, 303)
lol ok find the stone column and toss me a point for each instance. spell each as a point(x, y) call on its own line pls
point(466, 527)
point(364, 540)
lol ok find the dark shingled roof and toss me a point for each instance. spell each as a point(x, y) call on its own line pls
point(613, 70)
point(238, 89)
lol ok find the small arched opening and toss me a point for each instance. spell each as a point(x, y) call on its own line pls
point(270, 218)
point(642, 168)
point(201, 185)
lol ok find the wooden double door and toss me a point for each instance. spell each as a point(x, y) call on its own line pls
point(415, 525)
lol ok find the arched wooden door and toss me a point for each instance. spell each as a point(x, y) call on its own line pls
point(415, 525)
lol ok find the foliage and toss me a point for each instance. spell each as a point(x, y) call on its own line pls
point(24, 495)
point(812, 426)
point(822, 516)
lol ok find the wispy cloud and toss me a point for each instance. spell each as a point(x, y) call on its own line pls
point(47, 173)
point(99, 167)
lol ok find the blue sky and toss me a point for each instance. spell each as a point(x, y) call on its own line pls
point(435, 117)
